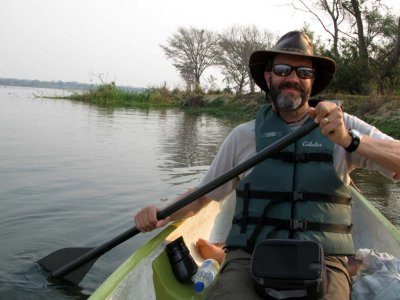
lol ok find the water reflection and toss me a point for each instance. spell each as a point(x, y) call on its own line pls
point(189, 143)
point(381, 192)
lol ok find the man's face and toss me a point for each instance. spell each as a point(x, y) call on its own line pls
point(290, 92)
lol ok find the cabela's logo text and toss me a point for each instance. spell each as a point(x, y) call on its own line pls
point(312, 144)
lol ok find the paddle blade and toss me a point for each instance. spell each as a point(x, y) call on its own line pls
point(62, 257)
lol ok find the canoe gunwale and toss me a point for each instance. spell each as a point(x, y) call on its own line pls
point(112, 282)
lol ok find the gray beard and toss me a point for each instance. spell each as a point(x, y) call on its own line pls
point(288, 103)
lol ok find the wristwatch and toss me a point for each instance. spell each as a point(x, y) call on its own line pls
point(355, 140)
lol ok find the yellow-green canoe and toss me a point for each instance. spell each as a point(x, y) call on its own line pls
point(147, 274)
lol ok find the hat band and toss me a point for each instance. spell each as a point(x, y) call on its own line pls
point(294, 50)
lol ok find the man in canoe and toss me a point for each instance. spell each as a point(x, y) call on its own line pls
point(301, 193)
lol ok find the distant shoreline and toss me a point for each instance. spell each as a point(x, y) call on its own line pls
point(62, 85)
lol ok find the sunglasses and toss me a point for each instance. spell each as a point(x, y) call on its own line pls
point(286, 70)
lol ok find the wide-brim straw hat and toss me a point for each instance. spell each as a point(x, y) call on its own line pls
point(293, 43)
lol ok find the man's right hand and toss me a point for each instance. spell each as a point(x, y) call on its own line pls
point(146, 219)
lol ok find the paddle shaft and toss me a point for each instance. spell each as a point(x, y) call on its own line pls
point(162, 214)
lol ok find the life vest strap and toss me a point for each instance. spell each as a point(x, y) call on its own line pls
point(293, 196)
point(303, 157)
point(300, 225)
point(246, 200)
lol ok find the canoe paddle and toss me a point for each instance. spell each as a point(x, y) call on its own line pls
point(72, 264)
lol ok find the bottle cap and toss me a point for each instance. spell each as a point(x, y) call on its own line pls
point(198, 286)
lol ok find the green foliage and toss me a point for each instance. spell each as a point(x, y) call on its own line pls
point(221, 109)
point(388, 126)
point(380, 72)
point(352, 77)
point(110, 96)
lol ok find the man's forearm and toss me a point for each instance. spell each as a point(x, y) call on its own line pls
point(190, 209)
point(383, 152)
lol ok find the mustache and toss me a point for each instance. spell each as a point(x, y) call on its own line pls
point(292, 85)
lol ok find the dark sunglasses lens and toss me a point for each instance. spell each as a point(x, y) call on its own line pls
point(282, 70)
point(306, 73)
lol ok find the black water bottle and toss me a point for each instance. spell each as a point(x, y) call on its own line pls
point(182, 262)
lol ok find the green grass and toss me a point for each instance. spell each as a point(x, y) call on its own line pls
point(389, 127)
point(218, 108)
point(109, 95)
point(382, 111)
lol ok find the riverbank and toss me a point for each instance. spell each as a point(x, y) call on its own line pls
point(380, 111)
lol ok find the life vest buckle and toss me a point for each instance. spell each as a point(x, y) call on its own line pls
point(297, 225)
point(300, 157)
point(293, 157)
point(296, 196)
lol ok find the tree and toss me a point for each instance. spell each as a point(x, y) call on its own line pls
point(377, 36)
point(366, 41)
point(192, 51)
point(188, 77)
point(336, 13)
point(394, 58)
point(234, 49)
point(353, 7)
point(385, 63)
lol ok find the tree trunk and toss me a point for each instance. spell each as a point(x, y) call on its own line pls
point(197, 82)
point(362, 47)
point(252, 85)
point(336, 39)
point(394, 60)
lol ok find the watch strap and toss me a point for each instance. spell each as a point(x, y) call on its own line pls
point(355, 142)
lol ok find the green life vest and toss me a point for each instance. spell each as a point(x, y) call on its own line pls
point(295, 194)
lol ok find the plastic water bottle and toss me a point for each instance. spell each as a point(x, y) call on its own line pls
point(205, 275)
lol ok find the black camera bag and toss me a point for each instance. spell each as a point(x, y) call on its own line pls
point(288, 269)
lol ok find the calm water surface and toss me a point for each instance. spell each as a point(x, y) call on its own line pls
point(72, 174)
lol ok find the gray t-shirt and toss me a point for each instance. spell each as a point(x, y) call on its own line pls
point(240, 145)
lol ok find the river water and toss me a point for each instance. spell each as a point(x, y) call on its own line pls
point(72, 175)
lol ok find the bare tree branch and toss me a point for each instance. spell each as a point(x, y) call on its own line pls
point(235, 47)
point(192, 51)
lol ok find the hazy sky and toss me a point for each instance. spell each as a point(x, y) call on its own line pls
point(74, 40)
